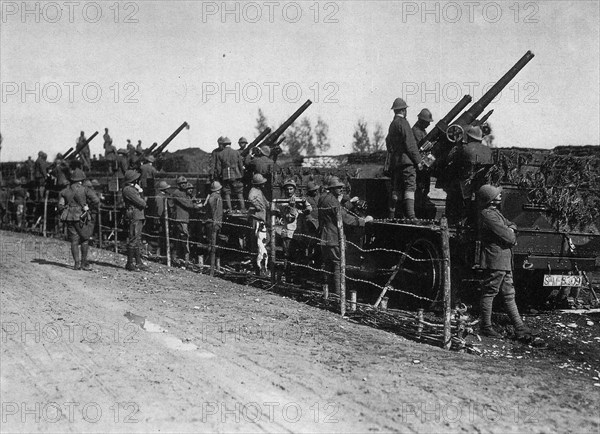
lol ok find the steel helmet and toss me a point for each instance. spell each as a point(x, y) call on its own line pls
point(243, 140)
point(189, 186)
point(215, 186)
point(87, 183)
point(487, 193)
point(258, 179)
point(311, 186)
point(77, 175)
point(95, 183)
point(122, 151)
point(474, 133)
point(398, 104)
point(289, 182)
point(266, 151)
point(130, 176)
point(220, 140)
point(425, 115)
point(181, 180)
point(335, 182)
point(150, 159)
point(226, 141)
point(163, 185)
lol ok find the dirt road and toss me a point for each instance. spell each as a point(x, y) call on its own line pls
point(213, 356)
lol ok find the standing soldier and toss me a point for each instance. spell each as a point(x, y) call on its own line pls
point(148, 174)
point(134, 211)
point(19, 198)
point(424, 119)
point(60, 172)
point(258, 162)
point(40, 173)
point(329, 207)
point(122, 163)
point(107, 138)
point(404, 156)
point(498, 236)
point(230, 170)
point(311, 224)
point(182, 205)
point(214, 212)
point(110, 152)
point(74, 204)
point(213, 158)
point(257, 214)
point(159, 213)
point(85, 155)
point(242, 143)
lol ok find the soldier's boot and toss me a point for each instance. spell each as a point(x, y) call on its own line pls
point(130, 266)
point(138, 261)
point(485, 325)
point(76, 256)
point(227, 200)
point(85, 265)
point(240, 197)
point(409, 209)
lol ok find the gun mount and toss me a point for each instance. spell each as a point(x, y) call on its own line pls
point(70, 156)
point(255, 142)
point(156, 152)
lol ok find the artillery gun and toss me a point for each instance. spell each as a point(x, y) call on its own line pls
point(156, 152)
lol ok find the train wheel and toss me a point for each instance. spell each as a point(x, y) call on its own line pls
point(421, 275)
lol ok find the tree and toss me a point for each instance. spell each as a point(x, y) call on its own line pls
point(306, 137)
point(293, 140)
point(378, 143)
point(261, 122)
point(321, 135)
point(362, 143)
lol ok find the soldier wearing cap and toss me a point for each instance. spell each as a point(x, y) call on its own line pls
point(134, 209)
point(257, 213)
point(181, 205)
point(465, 173)
point(329, 209)
point(74, 205)
point(40, 173)
point(122, 163)
point(230, 170)
point(242, 143)
point(160, 215)
point(404, 158)
point(497, 236)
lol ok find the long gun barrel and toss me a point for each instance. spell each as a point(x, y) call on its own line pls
point(162, 147)
point(476, 109)
point(149, 150)
point(82, 147)
point(272, 138)
point(440, 128)
point(256, 141)
point(68, 153)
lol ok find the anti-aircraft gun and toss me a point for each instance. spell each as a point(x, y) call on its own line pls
point(71, 155)
point(156, 152)
point(255, 142)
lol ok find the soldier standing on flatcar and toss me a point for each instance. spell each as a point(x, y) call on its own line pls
point(230, 170)
point(424, 119)
point(74, 205)
point(122, 163)
point(242, 143)
point(40, 174)
point(134, 209)
point(404, 157)
point(213, 158)
point(329, 207)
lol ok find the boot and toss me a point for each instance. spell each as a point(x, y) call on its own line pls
point(409, 209)
point(138, 260)
point(242, 203)
point(227, 200)
point(76, 256)
point(130, 266)
point(490, 332)
point(84, 254)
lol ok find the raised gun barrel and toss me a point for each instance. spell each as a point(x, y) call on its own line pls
point(164, 144)
point(440, 128)
point(272, 138)
point(82, 147)
point(255, 142)
point(68, 153)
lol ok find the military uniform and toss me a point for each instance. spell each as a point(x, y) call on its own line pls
point(122, 164)
point(181, 206)
point(328, 207)
point(401, 144)
point(74, 204)
point(147, 175)
point(19, 199)
point(40, 173)
point(230, 170)
point(214, 212)
point(85, 154)
point(257, 214)
point(134, 208)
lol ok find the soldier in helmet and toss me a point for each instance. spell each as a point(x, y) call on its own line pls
point(85, 156)
point(122, 163)
point(329, 208)
point(230, 170)
point(214, 213)
point(213, 157)
point(497, 236)
point(257, 213)
point(424, 119)
point(147, 175)
point(135, 205)
point(242, 143)
point(404, 159)
point(74, 204)
point(182, 205)
point(40, 173)
point(259, 162)
point(160, 216)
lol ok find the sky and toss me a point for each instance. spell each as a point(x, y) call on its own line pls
point(142, 68)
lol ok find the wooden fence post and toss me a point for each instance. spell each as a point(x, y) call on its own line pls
point(273, 247)
point(116, 223)
point(342, 244)
point(45, 213)
point(445, 233)
point(167, 237)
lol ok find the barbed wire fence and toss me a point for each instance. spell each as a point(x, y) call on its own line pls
point(165, 233)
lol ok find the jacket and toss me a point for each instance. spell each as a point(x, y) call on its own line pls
point(214, 210)
point(258, 204)
point(230, 165)
point(147, 171)
point(40, 171)
point(497, 235)
point(181, 206)
point(328, 210)
point(73, 199)
point(263, 165)
point(418, 132)
point(134, 203)
point(401, 143)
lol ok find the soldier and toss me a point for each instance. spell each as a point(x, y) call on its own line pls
point(40, 174)
point(182, 205)
point(424, 119)
point(85, 154)
point(160, 215)
point(498, 236)
point(60, 171)
point(213, 158)
point(138, 149)
point(257, 213)
point(134, 211)
point(107, 138)
point(311, 224)
point(404, 157)
point(74, 205)
point(19, 198)
point(242, 143)
point(259, 162)
point(148, 174)
point(214, 212)
point(466, 172)
point(329, 207)
point(230, 170)
point(122, 163)
point(110, 152)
